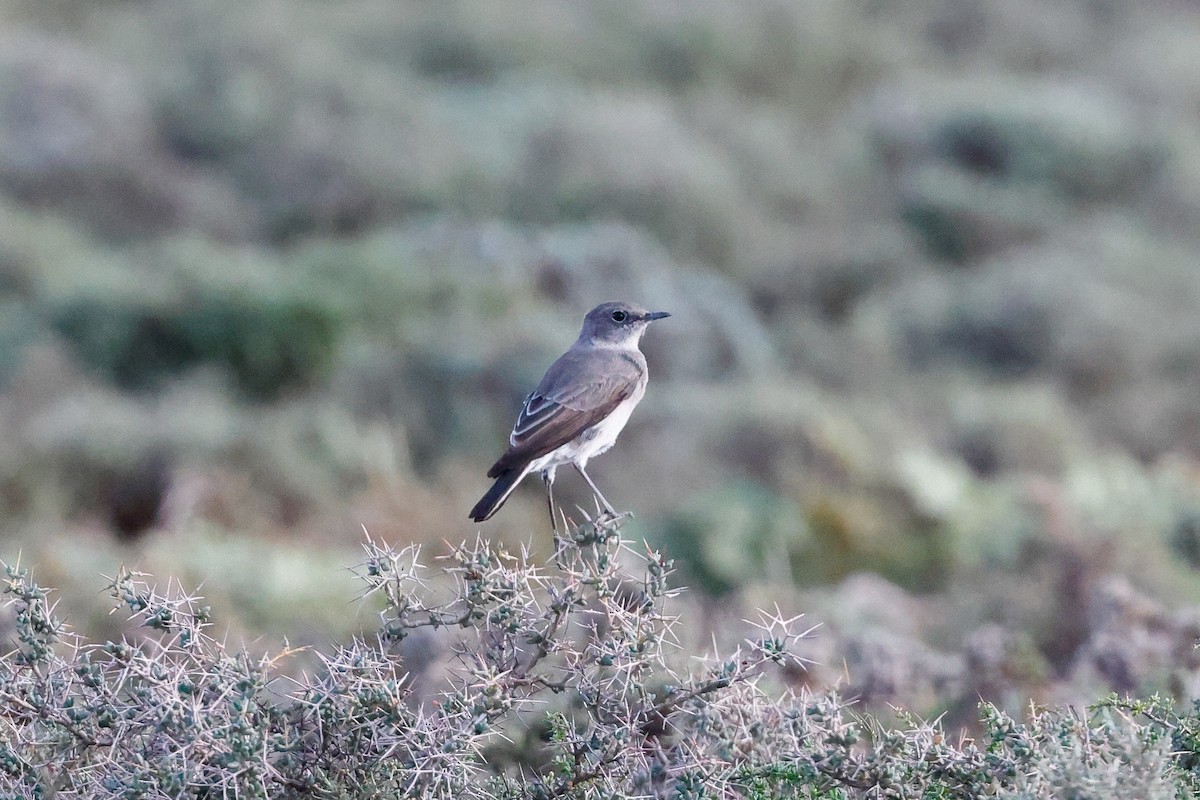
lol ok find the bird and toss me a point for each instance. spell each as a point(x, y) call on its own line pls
point(579, 408)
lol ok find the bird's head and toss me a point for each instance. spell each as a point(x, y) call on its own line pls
point(617, 323)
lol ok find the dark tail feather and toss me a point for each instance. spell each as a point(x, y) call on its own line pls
point(495, 497)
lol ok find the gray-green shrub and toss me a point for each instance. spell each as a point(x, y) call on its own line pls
point(564, 685)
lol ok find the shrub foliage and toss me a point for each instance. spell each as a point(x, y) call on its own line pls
point(268, 345)
point(566, 682)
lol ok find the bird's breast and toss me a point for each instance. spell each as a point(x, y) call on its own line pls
point(603, 434)
point(594, 440)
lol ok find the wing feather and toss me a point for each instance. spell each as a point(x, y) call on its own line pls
point(578, 391)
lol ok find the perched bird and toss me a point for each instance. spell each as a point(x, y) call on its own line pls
point(579, 408)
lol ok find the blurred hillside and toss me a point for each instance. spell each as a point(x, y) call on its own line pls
point(271, 272)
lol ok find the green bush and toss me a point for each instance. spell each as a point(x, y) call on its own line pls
point(267, 345)
point(984, 165)
point(734, 536)
point(18, 328)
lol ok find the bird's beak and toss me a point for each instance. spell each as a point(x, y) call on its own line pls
point(653, 315)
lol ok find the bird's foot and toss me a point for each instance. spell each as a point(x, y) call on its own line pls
point(609, 517)
point(606, 515)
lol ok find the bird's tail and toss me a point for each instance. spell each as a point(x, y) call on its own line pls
point(490, 503)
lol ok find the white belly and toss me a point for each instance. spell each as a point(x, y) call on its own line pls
point(592, 442)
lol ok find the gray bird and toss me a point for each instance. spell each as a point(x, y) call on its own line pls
point(579, 408)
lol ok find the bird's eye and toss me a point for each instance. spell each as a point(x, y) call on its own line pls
point(619, 316)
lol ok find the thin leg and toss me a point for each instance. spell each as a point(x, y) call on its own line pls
point(548, 477)
point(607, 505)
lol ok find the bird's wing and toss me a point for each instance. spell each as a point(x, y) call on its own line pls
point(578, 391)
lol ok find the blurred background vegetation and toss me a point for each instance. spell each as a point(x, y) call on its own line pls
point(272, 272)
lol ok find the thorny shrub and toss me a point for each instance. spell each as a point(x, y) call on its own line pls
point(579, 653)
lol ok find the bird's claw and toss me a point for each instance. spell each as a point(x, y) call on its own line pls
point(610, 517)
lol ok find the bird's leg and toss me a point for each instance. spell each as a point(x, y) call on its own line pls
point(607, 505)
point(548, 477)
